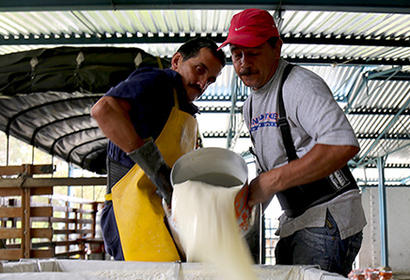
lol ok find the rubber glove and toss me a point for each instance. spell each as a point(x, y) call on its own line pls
point(149, 158)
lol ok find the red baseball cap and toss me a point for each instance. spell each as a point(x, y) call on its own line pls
point(251, 28)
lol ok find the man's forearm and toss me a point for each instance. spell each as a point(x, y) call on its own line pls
point(319, 162)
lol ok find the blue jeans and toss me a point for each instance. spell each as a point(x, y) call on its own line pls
point(320, 246)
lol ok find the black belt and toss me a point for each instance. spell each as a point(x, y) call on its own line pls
point(296, 200)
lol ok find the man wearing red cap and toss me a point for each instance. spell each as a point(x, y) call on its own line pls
point(302, 143)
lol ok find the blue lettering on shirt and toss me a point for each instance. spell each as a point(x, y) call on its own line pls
point(264, 120)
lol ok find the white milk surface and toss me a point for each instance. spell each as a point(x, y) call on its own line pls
point(205, 220)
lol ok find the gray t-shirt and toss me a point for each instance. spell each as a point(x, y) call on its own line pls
point(314, 118)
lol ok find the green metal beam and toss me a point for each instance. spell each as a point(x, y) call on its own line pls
point(92, 39)
point(389, 165)
point(378, 111)
point(217, 109)
point(368, 136)
point(396, 6)
point(342, 61)
point(354, 112)
point(219, 97)
point(385, 136)
point(387, 186)
point(348, 61)
point(129, 38)
point(222, 134)
point(343, 40)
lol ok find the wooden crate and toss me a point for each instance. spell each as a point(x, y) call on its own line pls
point(65, 222)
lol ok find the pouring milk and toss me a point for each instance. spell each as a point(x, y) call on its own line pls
point(208, 230)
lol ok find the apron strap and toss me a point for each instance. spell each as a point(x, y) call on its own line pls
point(176, 103)
point(160, 66)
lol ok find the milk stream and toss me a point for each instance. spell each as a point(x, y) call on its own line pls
point(204, 218)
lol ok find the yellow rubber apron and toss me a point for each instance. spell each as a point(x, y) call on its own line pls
point(138, 209)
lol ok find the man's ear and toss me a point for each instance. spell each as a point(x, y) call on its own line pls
point(176, 58)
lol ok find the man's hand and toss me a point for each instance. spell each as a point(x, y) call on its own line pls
point(162, 180)
point(264, 187)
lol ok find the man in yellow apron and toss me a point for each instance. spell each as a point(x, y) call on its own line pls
point(150, 104)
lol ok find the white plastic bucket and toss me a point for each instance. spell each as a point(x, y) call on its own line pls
point(215, 166)
point(218, 167)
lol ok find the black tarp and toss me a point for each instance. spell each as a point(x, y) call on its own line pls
point(46, 96)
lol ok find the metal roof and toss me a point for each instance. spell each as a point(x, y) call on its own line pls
point(363, 56)
point(309, 36)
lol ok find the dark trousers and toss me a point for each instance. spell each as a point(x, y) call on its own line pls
point(108, 223)
point(320, 246)
point(110, 233)
point(253, 239)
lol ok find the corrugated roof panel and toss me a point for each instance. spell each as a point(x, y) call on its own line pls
point(72, 23)
point(402, 126)
point(342, 23)
point(43, 23)
point(96, 22)
point(378, 94)
point(10, 26)
point(373, 127)
point(347, 52)
point(338, 78)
